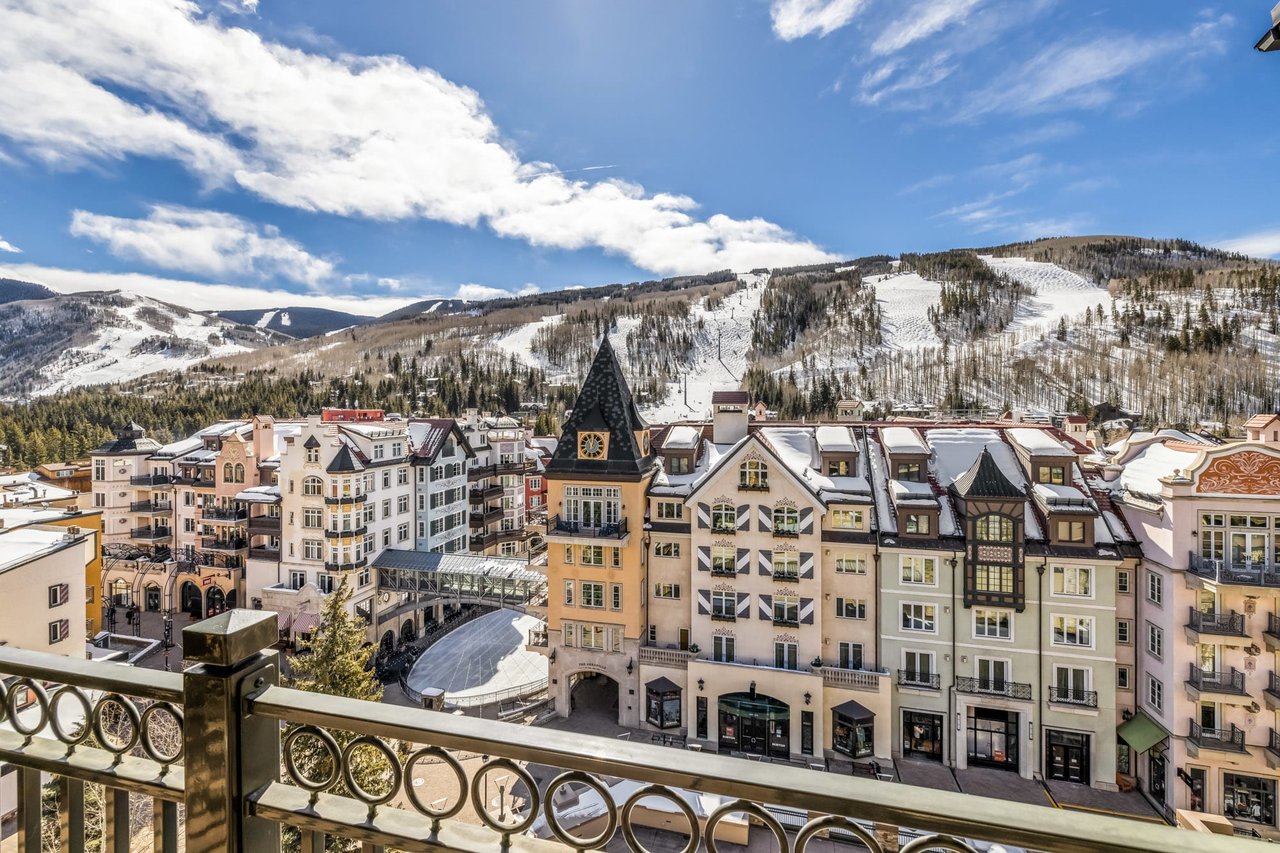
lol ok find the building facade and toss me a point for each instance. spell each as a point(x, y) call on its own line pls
point(441, 459)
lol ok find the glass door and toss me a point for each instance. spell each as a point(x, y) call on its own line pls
point(993, 674)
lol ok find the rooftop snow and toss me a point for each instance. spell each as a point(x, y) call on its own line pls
point(902, 440)
point(836, 439)
point(682, 437)
point(1142, 472)
point(21, 544)
point(906, 492)
point(1039, 442)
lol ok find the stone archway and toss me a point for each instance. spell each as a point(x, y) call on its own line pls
point(215, 601)
point(232, 599)
point(594, 694)
point(408, 632)
point(192, 600)
point(388, 642)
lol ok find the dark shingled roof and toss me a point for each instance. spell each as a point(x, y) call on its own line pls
point(984, 479)
point(604, 404)
point(129, 440)
point(311, 442)
point(344, 462)
point(730, 398)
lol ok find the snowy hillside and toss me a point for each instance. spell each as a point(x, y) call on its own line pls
point(1059, 292)
point(75, 340)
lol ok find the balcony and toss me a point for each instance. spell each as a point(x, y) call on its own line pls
point(150, 507)
point(346, 533)
point(345, 500)
point(787, 532)
point(151, 534)
point(346, 567)
point(1223, 740)
point(487, 517)
point(224, 514)
point(264, 553)
point(783, 622)
point(1229, 683)
point(723, 529)
point(723, 571)
point(479, 496)
point(1077, 698)
point(919, 680)
point(786, 577)
point(1273, 743)
point(854, 679)
point(563, 527)
point(151, 481)
point(1241, 573)
point(723, 616)
point(264, 524)
point(224, 546)
point(1272, 691)
point(994, 687)
point(230, 739)
point(669, 657)
point(1221, 624)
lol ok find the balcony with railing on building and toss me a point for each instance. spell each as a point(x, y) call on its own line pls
point(994, 687)
point(560, 526)
point(478, 497)
point(151, 481)
point(919, 680)
point(1229, 624)
point(346, 531)
point(486, 517)
point(224, 514)
point(225, 740)
point(264, 524)
point(1271, 633)
point(1273, 743)
point(150, 507)
point(1225, 740)
point(151, 533)
point(1231, 571)
point(1225, 683)
point(330, 566)
point(1073, 696)
point(345, 500)
point(224, 544)
point(264, 552)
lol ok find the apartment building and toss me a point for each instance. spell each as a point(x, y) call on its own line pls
point(496, 479)
point(86, 522)
point(1208, 594)
point(441, 457)
point(42, 575)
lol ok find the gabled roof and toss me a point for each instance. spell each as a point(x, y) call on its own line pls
point(427, 437)
point(311, 442)
point(604, 404)
point(984, 479)
point(730, 398)
point(1260, 421)
point(344, 461)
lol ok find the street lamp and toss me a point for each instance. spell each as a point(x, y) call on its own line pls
point(1271, 38)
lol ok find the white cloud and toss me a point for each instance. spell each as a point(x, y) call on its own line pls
point(793, 19)
point(204, 242)
point(198, 296)
point(375, 137)
point(923, 19)
point(483, 292)
point(6, 246)
point(1259, 244)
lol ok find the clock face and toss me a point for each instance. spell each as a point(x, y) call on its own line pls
point(591, 445)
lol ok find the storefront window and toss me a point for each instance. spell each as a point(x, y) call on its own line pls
point(1155, 772)
point(1249, 798)
point(854, 738)
point(663, 703)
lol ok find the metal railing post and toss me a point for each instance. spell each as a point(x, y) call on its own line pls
point(229, 755)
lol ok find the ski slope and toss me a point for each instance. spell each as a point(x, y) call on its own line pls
point(1058, 292)
point(905, 299)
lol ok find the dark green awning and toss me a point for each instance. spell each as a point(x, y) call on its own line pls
point(855, 711)
point(1141, 732)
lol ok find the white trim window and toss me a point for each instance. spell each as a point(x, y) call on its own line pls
point(1073, 631)
point(1155, 588)
point(592, 594)
point(666, 549)
point(1074, 581)
point(1155, 693)
point(666, 590)
point(846, 519)
point(919, 571)
point(919, 617)
point(992, 624)
point(1155, 640)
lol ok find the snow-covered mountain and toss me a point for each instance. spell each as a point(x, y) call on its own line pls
point(72, 340)
point(295, 322)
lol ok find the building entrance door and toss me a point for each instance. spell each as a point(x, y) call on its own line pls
point(922, 734)
point(755, 724)
point(1067, 756)
point(993, 737)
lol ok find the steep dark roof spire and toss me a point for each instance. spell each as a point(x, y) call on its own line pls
point(604, 405)
point(984, 479)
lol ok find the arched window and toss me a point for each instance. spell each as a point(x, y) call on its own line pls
point(724, 517)
point(312, 486)
point(753, 475)
point(786, 520)
point(994, 528)
point(226, 473)
point(239, 473)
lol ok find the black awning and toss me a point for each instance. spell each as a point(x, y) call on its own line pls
point(663, 685)
point(855, 711)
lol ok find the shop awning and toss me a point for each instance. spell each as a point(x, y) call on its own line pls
point(1141, 732)
point(855, 711)
point(663, 685)
point(305, 623)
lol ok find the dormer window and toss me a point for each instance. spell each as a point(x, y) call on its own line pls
point(838, 468)
point(678, 465)
point(907, 471)
point(1053, 474)
point(753, 475)
point(993, 528)
point(917, 524)
point(1071, 531)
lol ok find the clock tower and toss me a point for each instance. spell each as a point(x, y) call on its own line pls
point(597, 481)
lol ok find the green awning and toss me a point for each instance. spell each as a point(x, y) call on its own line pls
point(1141, 732)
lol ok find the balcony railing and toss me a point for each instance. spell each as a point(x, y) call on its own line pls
point(224, 513)
point(264, 524)
point(1273, 685)
point(787, 532)
point(238, 543)
point(346, 567)
point(150, 480)
point(1273, 627)
point(151, 534)
point(480, 519)
point(1231, 682)
point(479, 496)
point(921, 680)
point(753, 486)
point(263, 553)
point(150, 507)
point(1273, 742)
point(1225, 624)
point(564, 527)
point(1242, 572)
point(994, 687)
point(220, 733)
point(1228, 740)
point(786, 577)
point(723, 616)
point(346, 533)
point(723, 529)
point(1069, 696)
point(345, 500)
point(858, 679)
point(675, 658)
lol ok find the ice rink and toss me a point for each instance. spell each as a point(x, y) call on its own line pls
point(485, 655)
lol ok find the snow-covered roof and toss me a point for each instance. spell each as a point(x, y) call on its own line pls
point(902, 440)
point(836, 439)
point(916, 494)
point(1063, 498)
point(682, 437)
point(956, 449)
point(15, 516)
point(20, 544)
point(260, 494)
point(797, 449)
point(1039, 442)
point(28, 487)
point(1143, 471)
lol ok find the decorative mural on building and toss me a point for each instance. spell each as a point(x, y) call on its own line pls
point(1247, 472)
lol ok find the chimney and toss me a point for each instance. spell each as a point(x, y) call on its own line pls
point(730, 412)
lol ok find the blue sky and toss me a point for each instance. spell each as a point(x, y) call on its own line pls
point(233, 153)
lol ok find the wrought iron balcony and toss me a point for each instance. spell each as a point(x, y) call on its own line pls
point(150, 480)
point(994, 687)
point(1273, 685)
point(1226, 740)
point(346, 533)
point(1273, 742)
point(723, 529)
point(230, 544)
point(264, 524)
point(345, 500)
point(1068, 696)
point(920, 680)
point(1231, 682)
point(150, 534)
point(786, 577)
point(1239, 572)
point(150, 507)
point(558, 525)
point(753, 485)
point(224, 514)
point(1272, 632)
point(1223, 624)
point(787, 532)
point(346, 567)
point(226, 741)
